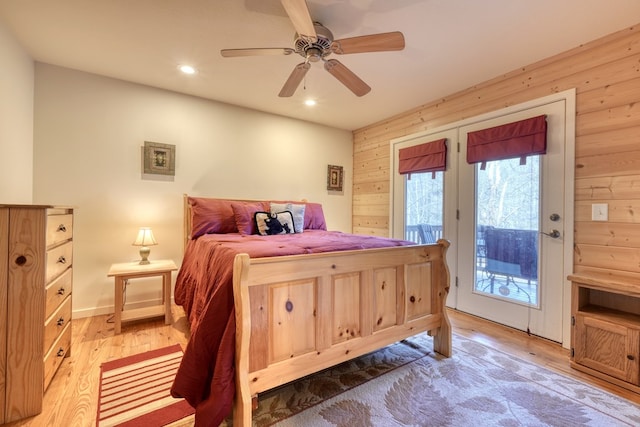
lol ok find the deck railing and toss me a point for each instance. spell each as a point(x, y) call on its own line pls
point(509, 252)
point(423, 233)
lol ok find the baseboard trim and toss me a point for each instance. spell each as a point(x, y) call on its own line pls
point(101, 311)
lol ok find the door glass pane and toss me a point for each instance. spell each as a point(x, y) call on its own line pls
point(424, 207)
point(507, 230)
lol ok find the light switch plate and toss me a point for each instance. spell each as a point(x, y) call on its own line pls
point(600, 212)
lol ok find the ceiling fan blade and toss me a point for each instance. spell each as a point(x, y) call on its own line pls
point(230, 53)
point(372, 43)
point(347, 77)
point(298, 12)
point(294, 80)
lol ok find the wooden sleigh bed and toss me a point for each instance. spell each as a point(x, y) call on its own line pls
point(294, 315)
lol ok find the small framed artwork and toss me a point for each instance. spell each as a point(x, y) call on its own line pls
point(159, 158)
point(334, 178)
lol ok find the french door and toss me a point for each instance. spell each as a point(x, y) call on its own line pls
point(423, 205)
point(510, 225)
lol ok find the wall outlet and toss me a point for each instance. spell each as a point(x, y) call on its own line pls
point(600, 212)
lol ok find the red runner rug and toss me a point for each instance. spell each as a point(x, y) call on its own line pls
point(134, 391)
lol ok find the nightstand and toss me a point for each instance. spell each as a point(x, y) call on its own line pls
point(124, 272)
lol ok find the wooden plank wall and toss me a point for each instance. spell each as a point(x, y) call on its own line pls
point(606, 75)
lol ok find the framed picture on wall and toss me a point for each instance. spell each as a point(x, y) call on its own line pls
point(159, 158)
point(334, 178)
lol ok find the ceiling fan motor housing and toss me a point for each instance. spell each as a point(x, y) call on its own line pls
point(314, 50)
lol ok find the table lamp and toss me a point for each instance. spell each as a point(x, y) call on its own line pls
point(144, 240)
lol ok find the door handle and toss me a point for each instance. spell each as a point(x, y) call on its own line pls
point(554, 234)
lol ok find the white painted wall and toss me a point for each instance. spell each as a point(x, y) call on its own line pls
point(88, 135)
point(16, 121)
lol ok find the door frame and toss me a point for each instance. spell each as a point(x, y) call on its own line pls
point(450, 231)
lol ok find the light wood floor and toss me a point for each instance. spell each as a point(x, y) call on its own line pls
point(71, 399)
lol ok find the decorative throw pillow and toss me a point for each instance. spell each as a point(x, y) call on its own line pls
point(244, 215)
point(314, 217)
point(274, 223)
point(297, 211)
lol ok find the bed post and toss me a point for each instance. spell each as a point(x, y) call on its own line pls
point(186, 230)
point(442, 338)
point(242, 408)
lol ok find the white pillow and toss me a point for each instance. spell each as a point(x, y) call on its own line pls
point(296, 210)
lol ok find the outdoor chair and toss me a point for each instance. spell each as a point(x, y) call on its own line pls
point(510, 253)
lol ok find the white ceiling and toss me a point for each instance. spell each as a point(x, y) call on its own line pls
point(450, 45)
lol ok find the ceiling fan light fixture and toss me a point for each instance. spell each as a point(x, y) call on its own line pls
point(310, 102)
point(313, 54)
point(187, 69)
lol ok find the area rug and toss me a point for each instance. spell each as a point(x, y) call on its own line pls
point(134, 391)
point(407, 384)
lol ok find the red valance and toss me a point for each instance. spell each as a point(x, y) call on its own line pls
point(518, 139)
point(427, 157)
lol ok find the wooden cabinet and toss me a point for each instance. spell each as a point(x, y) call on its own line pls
point(605, 339)
point(36, 258)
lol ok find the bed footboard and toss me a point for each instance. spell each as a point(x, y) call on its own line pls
point(297, 315)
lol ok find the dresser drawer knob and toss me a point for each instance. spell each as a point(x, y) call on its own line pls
point(62, 259)
point(60, 321)
point(61, 291)
point(62, 228)
point(60, 352)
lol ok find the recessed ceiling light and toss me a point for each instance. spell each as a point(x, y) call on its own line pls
point(187, 69)
point(310, 102)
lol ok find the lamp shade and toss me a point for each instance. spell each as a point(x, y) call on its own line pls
point(145, 237)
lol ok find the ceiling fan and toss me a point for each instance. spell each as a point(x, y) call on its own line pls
point(314, 42)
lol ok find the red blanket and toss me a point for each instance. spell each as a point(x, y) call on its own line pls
point(204, 289)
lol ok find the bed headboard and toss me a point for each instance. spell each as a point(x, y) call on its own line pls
point(186, 230)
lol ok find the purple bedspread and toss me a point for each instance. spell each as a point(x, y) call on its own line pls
point(204, 288)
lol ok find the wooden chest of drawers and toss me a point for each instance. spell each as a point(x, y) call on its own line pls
point(36, 258)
